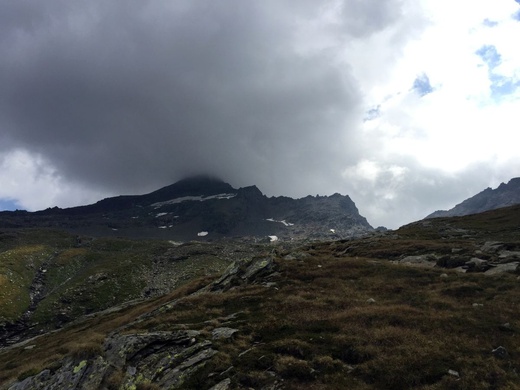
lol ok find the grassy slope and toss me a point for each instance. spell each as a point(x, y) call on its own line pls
point(79, 279)
point(317, 329)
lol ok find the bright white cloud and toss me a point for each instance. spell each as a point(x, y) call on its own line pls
point(35, 185)
point(461, 124)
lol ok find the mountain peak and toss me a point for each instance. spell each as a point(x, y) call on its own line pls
point(489, 199)
point(199, 179)
point(191, 186)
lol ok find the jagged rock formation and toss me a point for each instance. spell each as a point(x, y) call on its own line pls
point(203, 208)
point(503, 196)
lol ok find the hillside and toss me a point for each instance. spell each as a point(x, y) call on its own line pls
point(504, 195)
point(432, 305)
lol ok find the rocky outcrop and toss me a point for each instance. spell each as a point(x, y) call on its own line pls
point(163, 358)
point(503, 196)
point(168, 359)
point(494, 259)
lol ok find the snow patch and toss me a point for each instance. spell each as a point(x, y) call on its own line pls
point(284, 221)
point(160, 215)
point(199, 198)
point(273, 238)
point(202, 234)
point(163, 227)
point(333, 230)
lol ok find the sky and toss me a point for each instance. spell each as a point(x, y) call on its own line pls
point(407, 106)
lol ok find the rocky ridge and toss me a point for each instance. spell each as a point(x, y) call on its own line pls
point(204, 209)
point(504, 195)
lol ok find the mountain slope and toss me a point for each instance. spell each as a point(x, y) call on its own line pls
point(503, 196)
point(203, 208)
point(349, 314)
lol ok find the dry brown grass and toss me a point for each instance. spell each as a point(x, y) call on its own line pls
point(317, 328)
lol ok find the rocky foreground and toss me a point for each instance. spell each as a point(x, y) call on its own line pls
point(433, 305)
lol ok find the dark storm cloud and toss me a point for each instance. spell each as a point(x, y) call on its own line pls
point(127, 97)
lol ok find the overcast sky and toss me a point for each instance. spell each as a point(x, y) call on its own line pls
point(408, 106)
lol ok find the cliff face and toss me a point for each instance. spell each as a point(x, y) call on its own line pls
point(203, 208)
point(503, 196)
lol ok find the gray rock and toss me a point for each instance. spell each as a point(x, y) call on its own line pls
point(239, 273)
point(454, 373)
point(223, 333)
point(428, 260)
point(491, 246)
point(163, 358)
point(477, 265)
point(501, 268)
point(506, 256)
point(73, 374)
point(123, 348)
point(500, 352)
point(223, 385)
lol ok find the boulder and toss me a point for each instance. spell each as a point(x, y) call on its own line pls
point(477, 265)
point(501, 268)
point(223, 333)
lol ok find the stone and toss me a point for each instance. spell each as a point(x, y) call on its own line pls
point(428, 261)
point(506, 327)
point(223, 385)
point(477, 265)
point(491, 246)
point(371, 300)
point(500, 352)
point(506, 256)
point(454, 373)
point(501, 268)
point(223, 333)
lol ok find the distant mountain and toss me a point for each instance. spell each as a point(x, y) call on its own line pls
point(503, 196)
point(203, 208)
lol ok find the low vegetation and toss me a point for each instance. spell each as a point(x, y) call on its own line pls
point(332, 315)
point(360, 323)
point(49, 278)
